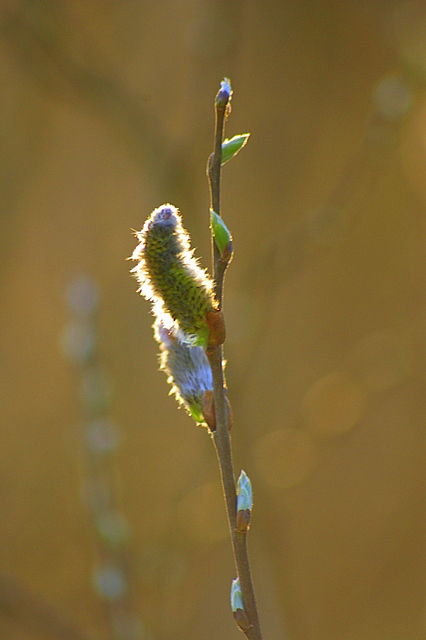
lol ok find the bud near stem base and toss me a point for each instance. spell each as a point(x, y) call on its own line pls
point(242, 520)
point(209, 413)
point(217, 335)
point(242, 620)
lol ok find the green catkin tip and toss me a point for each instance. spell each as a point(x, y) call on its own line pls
point(171, 278)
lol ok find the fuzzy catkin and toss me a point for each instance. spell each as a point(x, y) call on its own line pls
point(170, 276)
point(187, 368)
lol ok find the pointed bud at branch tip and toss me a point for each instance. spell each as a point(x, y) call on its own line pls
point(230, 147)
point(225, 85)
point(224, 94)
point(222, 237)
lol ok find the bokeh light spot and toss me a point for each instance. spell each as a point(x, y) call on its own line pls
point(82, 296)
point(285, 457)
point(392, 97)
point(109, 582)
point(333, 404)
point(113, 528)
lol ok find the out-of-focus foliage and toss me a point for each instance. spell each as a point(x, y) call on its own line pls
point(106, 111)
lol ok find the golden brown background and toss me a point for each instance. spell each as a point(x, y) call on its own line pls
point(106, 111)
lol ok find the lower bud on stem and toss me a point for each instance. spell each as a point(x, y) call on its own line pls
point(216, 324)
point(209, 413)
point(242, 620)
point(242, 520)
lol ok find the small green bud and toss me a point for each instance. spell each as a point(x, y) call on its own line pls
point(236, 595)
point(244, 493)
point(237, 606)
point(188, 371)
point(244, 503)
point(231, 146)
point(222, 236)
point(170, 276)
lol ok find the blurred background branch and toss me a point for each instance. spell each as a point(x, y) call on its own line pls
point(34, 614)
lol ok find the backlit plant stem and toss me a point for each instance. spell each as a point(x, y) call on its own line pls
point(221, 435)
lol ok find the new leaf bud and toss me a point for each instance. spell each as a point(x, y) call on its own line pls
point(222, 236)
point(231, 146)
point(237, 606)
point(244, 503)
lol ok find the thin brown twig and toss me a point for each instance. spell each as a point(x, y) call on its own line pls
point(221, 435)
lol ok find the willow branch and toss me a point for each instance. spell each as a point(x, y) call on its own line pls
point(221, 435)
